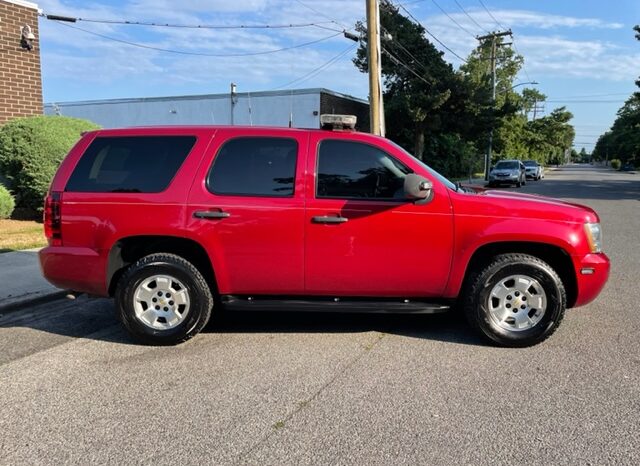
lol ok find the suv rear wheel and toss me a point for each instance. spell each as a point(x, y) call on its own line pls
point(163, 299)
point(517, 300)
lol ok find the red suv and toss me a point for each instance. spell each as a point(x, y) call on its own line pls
point(176, 221)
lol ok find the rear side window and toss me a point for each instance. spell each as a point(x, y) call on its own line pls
point(254, 166)
point(138, 164)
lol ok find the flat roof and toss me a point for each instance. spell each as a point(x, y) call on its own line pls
point(314, 90)
point(23, 3)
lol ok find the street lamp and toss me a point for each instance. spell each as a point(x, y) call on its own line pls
point(535, 83)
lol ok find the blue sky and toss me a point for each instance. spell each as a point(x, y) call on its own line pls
point(582, 53)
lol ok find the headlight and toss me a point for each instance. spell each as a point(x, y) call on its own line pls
point(594, 236)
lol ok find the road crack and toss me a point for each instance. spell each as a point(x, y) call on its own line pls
point(304, 404)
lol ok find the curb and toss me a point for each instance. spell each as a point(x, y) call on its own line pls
point(42, 299)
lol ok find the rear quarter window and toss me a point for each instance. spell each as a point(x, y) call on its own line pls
point(132, 164)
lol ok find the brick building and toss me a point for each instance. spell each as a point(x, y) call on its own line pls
point(20, 76)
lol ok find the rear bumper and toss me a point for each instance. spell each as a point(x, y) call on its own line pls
point(77, 269)
point(592, 273)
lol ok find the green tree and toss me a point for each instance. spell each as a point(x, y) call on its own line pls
point(31, 150)
point(623, 140)
point(582, 157)
point(530, 99)
point(426, 107)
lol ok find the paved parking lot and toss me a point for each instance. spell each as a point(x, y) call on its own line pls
point(321, 388)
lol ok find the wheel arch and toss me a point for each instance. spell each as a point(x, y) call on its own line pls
point(558, 258)
point(128, 250)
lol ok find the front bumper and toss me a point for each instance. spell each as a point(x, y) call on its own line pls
point(503, 179)
point(592, 273)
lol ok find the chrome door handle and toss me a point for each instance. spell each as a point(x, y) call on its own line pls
point(211, 214)
point(329, 219)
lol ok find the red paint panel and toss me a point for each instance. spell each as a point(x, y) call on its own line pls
point(386, 248)
point(258, 249)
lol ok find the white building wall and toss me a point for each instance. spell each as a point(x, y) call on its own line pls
point(263, 109)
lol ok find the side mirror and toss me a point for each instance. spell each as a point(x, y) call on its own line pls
point(418, 188)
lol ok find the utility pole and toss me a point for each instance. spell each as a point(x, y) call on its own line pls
point(376, 112)
point(494, 45)
point(233, 101)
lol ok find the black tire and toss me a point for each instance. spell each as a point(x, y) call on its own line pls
point(197, 289)
point(518, 184)
point(477, 294)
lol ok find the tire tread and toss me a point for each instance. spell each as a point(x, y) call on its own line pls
point(475, 283)
point(174, 259)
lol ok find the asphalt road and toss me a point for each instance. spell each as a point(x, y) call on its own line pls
point(319, 389)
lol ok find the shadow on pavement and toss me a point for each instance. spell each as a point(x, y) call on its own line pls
point(448, 327)
point(95, 319)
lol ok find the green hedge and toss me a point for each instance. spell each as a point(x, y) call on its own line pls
point(6, 203)
point(31, 150)
point(616, 164)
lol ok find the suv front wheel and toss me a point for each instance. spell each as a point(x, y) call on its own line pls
point(517, 300)
point(163, 299)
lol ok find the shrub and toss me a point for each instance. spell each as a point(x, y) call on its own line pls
point(616, 164)
point(6, 203)
point(31, 150)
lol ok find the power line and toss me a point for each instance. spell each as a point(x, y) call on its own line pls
point(199, 54)
point(592, 95)
point(524, 68)
point(470, 17)
point(407, 67)
point(408, 53)
point(492, 17)
point(72, 19)
point(585, 101)
point(431, 34)
point(315, 71)
point(318, 12)
point(454, 21)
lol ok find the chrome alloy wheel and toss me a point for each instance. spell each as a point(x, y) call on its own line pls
point(517, 303)
point(161, 302)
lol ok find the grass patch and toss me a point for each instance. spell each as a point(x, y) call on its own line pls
point(21, 234)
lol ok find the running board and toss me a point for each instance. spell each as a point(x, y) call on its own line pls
point(326, 304)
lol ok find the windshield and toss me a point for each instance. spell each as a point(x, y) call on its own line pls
point(506, 165)
point(530, 163)
point(449, 184)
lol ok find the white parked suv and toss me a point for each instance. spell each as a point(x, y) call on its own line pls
point(533, 169)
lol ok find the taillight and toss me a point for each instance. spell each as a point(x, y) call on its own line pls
point(53, 219)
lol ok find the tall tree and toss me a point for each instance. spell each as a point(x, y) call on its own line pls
point(623, 140)
point(421, 90)
point(530, 99)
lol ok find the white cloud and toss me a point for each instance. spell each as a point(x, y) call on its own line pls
point(524, 18)
point(80, 58)
point(546, 54)
point(557, 56)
